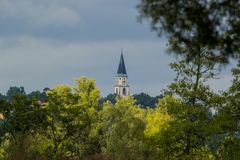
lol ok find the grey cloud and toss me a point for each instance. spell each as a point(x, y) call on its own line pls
point(72, 20)
point(32, 15)
point(48, 42)
point(38, 63)
point(34, 63)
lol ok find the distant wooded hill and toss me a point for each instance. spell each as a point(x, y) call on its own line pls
point(142, 99)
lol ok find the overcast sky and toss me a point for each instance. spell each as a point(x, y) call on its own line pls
point(48, 42)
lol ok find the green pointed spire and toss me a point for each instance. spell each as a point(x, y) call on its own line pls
point(121, 68)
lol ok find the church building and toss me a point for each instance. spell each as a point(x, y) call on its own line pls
point(122, 88)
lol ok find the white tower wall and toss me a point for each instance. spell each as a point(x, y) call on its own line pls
point(122, 88)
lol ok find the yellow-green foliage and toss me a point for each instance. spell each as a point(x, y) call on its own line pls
point(70, 113)
point(157, 120)
point(123, 125)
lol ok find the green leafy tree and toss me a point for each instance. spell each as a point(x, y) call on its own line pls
point(37, 95)
point(122, 129)
point(188, 136)
point(21, 116)
point(70, 115)
point(196, 24)
point(157, 123)
point(23, 119)
point(228, 120)
point(2, 97)
point(15, 91)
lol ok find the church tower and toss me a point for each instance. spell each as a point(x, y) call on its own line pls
point(122, 88)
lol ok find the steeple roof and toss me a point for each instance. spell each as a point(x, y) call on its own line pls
point(121, 68)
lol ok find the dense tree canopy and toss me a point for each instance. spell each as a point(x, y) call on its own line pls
point(14, 91)
point(189, 122)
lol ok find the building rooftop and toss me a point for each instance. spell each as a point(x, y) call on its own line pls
point(121, 68)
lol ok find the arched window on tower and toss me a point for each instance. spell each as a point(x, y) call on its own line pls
point(116, 92)
point(124, 91)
